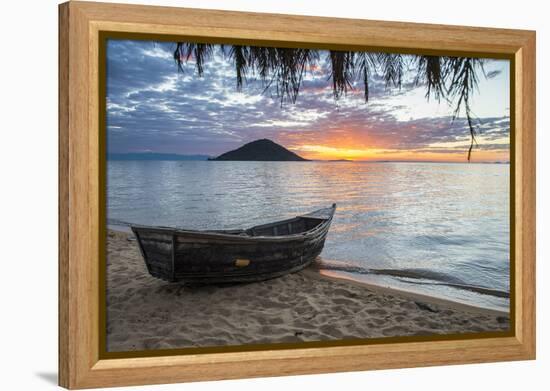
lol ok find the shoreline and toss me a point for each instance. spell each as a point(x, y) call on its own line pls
point(145, 313)
point(316, 272)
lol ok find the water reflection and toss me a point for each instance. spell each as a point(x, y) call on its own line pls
point(449, 218)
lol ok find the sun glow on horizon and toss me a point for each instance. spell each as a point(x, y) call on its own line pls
point(152, 107)
point(323, 152)
point(326, 152)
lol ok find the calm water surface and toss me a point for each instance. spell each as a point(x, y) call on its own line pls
point(438, 229)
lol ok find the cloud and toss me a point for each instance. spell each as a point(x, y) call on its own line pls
point(153, 106)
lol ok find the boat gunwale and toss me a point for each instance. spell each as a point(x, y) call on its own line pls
point(244, 238)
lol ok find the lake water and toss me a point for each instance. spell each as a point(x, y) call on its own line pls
point(437, 229)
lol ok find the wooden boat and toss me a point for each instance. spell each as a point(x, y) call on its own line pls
point(254, 254)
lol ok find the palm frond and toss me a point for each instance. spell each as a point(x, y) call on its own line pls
point(342, 71)
point(282, 67)
point(239, 54)
point(366, 64)
point(462, 73)
point(452, 78)
point(429, 74)
point(200, 51)
point(392, 68)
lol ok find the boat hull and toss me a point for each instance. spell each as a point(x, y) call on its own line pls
point(217, 257)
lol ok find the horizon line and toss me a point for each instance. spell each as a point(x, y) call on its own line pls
point(207, 156)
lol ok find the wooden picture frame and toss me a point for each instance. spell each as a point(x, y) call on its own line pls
point(81, 364)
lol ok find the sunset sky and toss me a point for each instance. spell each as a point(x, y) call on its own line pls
point(152, 107)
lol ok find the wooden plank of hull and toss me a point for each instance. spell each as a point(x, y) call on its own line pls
point(206, 257)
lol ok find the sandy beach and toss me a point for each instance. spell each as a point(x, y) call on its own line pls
point(147, 313)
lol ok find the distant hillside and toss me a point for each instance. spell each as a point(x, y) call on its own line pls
point(261, 150)
point(154, 156)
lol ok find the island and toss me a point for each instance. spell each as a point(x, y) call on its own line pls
point(260, 150)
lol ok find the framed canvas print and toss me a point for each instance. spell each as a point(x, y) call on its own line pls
point(248, 195)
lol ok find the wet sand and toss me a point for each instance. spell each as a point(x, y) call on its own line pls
point(144, 312)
